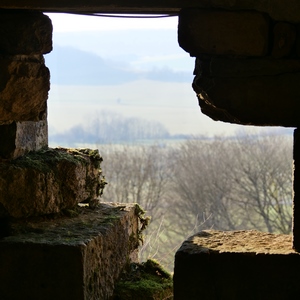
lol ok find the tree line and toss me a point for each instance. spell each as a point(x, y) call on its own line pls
point(110, 127)
point(225, 184)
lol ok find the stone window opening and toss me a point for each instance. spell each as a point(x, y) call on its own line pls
point(260, 279)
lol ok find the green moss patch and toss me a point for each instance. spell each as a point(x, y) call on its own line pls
point(147, 281)
point(44, 159)
point(69, 227)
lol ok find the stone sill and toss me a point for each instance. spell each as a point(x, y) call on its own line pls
point(248, 265)
point(244, 241)
point(78, 255)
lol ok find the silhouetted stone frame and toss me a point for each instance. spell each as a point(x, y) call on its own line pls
point(165, 7)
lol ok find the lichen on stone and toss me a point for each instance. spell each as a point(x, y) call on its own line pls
point(50, 180)
point(147, 281)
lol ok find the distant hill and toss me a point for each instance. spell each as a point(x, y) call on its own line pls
point(70, 66)
point(143, 48)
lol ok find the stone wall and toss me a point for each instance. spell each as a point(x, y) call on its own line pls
point(44, 181)
point(247, 65)
point(50, 246)
point(24, 81)
point(247, 72)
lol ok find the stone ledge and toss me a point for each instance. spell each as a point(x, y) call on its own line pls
point(237, 265)
point(77, 257)
point(47, 181)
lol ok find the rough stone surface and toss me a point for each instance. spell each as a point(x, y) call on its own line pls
point(223, 32)
point(47, 181)
point(25, 32)
point(298, 40)
point(248, 67)
point(249, 91)
point(77, 257)
point(24, 86)
point(236, 265)
point(278, 9)
point(22, 137)
point(296, 191)
point(284, 39)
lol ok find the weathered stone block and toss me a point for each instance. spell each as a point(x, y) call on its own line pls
point(298, 40)
point(239, 68)
point(249, 91)
point(236, 265)
point(47, 181)
point(24, 86)
point(25, 32)
point(223, 32)
point(296, 191)
point(284, 39)
point(21, 137)
point(78, 257)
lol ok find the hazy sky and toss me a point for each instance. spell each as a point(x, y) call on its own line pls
point(136, 44)
point(77, 23)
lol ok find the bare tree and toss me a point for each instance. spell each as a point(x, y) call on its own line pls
point(141, 174)
point(262, 176)
point(225, 184)
point(228, 184)
point(108, 127)
point(137, 174)
point(201, 187)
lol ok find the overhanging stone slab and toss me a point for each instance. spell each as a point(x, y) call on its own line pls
point(249, 91)
point(77, 257)
point(240, 33)
point(48, 180)
point(217, 66)
point(236, 265)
